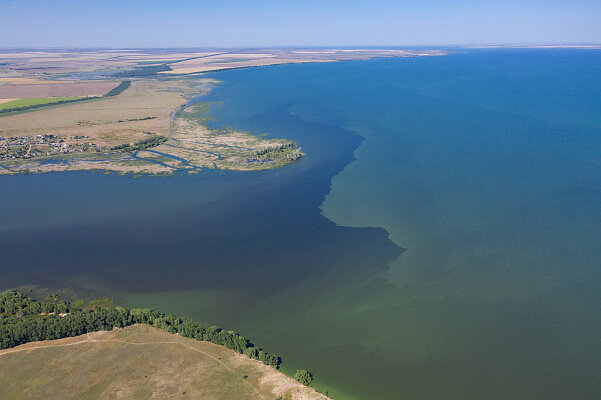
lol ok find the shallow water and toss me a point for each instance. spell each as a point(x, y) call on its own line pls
point(440, 240)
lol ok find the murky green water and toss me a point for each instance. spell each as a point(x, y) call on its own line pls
point(440, 240)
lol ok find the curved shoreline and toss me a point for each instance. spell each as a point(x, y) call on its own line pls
point(239, 150)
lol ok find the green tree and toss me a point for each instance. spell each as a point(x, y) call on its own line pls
point(304, 377)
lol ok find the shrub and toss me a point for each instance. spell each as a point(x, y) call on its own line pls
point(304, 377)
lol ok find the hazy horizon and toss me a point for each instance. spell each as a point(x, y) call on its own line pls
point(266, 23)
point(333, 46)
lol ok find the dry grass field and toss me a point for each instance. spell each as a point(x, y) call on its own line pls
point(39, 88)
point(245, 58)
point(145, 106)
point(139, 362)
point(46, 63)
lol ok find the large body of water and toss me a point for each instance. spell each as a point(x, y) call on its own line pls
point(440, 240)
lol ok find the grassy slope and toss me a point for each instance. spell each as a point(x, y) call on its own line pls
point(34, 101)
point(138, 362)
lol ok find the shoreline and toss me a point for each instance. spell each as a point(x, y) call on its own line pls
point(184, 127)
point(60, 323)
point(164, 83)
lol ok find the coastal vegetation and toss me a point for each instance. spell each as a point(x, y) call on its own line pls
point(303, 377)
point(143, 71)
point(279, 154)
point(141, 144)
point(23, 320)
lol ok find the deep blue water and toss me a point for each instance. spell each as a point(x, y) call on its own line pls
point(440, 240)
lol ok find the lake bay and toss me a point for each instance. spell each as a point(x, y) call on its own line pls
point(440, 239)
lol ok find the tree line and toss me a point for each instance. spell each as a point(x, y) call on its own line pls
point(143, 72)
point(141, 144)
point(117, 90)
point(113, 92)
point(34, 106)
point(23, 320)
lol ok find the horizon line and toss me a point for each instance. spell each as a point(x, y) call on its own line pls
point(515, 44)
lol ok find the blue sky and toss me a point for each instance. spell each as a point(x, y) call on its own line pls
point(232, 23)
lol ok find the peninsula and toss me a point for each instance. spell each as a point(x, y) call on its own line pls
point(57, 349)
point(129, 111)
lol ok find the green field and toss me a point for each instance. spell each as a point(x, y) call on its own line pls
point(34, 102)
